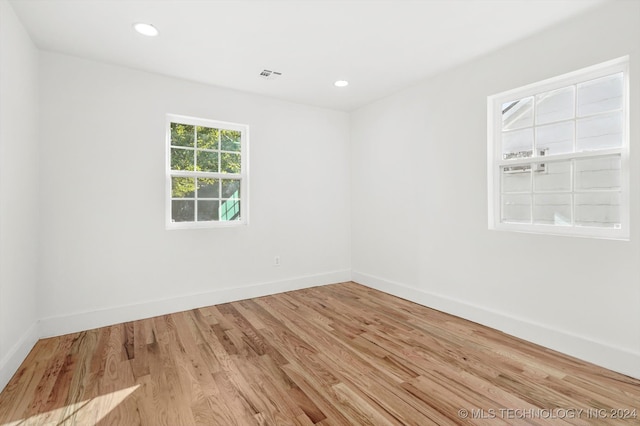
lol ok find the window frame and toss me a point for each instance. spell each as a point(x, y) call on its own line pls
point(495, 162)
point(243, 176)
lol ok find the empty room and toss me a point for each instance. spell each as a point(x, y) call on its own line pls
point(306, 212)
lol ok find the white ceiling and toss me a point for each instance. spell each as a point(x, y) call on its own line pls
point(379, 46)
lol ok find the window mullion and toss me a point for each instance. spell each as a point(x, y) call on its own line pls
point(531, 195)
point(575, 118)
point(202, 213)
point(600, 168)
point(573, 192)
point(210, 175)
point(560, 157)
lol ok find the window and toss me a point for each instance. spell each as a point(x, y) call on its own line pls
point(558, 155)
point(206, 173)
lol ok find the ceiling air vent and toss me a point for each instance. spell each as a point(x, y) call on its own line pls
point(270, 75)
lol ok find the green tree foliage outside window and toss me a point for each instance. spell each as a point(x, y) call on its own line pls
point(209, 150)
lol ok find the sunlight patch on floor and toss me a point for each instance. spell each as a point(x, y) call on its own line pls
point(90, 411)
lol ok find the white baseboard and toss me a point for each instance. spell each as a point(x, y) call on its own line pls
point(73, 323)
point(599, 353)
point(10, 363)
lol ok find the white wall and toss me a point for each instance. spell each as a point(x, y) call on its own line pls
point(419, 212)
point(18, 192)
point(91, 137)
point(106, 256)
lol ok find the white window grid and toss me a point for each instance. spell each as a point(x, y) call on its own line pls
point(243, 176)
point(496, 163)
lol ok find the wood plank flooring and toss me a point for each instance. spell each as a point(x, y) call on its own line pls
point(341, 354)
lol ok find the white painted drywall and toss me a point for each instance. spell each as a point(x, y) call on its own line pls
point(416, 171)
point(19, 189)
point(419, 185)
point(107, 256)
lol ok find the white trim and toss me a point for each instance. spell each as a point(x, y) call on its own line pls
point(564, 231)
point(243, 176)
point(588, 73)
point(614, 358)
point(17, 354)
point(204, 122)
point(495, 162)
point(87, 320)
point(617, 359)
point(560, 157)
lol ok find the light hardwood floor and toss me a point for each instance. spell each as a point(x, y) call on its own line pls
point(341, 354)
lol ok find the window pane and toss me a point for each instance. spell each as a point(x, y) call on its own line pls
point(598, 173)
point(230, 163)
point(516, 208)
point(182, 210)
point(230, 140)
point(230, 188)
point(555, 105)
point(552, 176)
point(552, 209)
point(599, 132)
point(517, 114)
point(555, 138)
point(600, 95)
point(208, 210)
point(208, 188)
point(600, 209)
point(182, 134)
point(183, 187)
point(230, 209)
point(517, 144)
point(207, 161)
point(516, 179)
point(181, 159)
point(207, 137)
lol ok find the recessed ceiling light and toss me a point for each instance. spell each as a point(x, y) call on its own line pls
point(146, 29)
point(341, 83)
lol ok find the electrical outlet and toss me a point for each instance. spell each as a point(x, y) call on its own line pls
point(276, 261)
